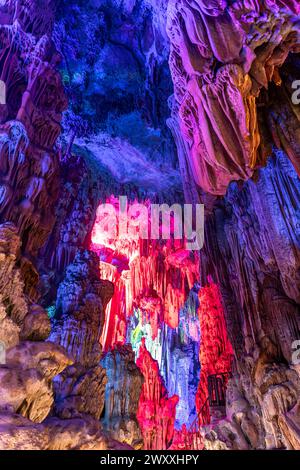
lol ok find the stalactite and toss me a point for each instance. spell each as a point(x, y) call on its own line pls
point(216, 353)
point(160, 271)
point(156, 413)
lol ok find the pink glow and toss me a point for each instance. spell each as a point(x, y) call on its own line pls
point(151, 274)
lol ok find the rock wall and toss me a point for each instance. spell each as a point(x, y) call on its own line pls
point(30, 125)
point(122, 395)
point(253, 250)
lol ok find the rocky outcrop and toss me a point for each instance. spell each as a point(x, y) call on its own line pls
point(18, 433)
point(28, 364)
point(262, 413)
point(77, 326)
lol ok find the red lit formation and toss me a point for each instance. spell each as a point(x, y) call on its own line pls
point(152, 280)
point(156, 412)
point(216, 351)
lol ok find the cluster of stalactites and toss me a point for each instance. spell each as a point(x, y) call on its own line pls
point(154, 276)
point(222, 55)
point(159, 308)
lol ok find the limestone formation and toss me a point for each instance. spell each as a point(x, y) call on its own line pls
point(129, 342)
